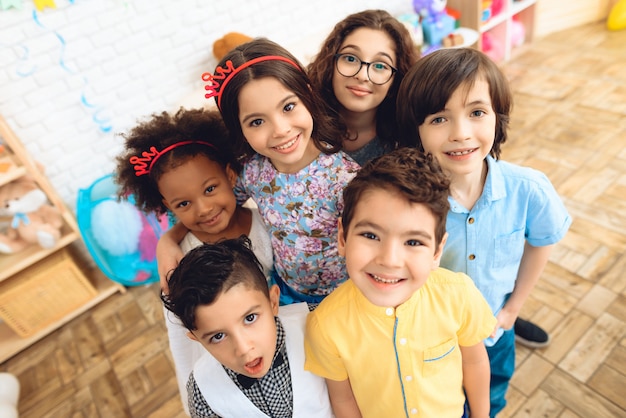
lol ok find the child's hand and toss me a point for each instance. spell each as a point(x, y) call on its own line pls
point(505, 320)
point(166, 263)
point(169, 254)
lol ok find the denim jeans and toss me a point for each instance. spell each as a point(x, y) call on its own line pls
point(502, 362)
point(289, 295)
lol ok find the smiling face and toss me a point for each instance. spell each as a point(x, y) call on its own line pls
point(239, 329)
point(389, 257)
point(357, 93)
point(462, 134)
point(277, 124)
point(199, 193)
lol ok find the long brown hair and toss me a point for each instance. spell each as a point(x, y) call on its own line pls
point(328, 131)
point(322, 68)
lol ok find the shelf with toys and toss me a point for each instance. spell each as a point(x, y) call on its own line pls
point(502, 24)
point(42, 284)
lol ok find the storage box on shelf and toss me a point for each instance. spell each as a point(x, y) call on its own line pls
point(41, 288)
point(512, 24)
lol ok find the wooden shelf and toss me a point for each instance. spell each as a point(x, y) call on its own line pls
point(36, 273)
point(11, 343)
point(500, 26)
point(11, 264)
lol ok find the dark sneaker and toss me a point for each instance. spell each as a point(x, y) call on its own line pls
point(530, 335)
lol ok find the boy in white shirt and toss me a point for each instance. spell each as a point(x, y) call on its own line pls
point(254, 365)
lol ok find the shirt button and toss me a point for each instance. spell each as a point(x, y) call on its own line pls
point(470, 221)
point(471, 257)
point(402, 341)
point(389, 311)
point(409, 378)
point(414, 411)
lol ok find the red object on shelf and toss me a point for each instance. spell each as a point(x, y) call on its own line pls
point(456, 15)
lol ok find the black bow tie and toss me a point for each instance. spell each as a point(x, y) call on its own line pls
point(247, 382)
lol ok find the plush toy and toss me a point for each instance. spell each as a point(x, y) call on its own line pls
point(228, 42)
point(32, 219)
point(9, 395)
point(436, 23)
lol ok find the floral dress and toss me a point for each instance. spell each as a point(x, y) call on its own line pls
point(301, 211)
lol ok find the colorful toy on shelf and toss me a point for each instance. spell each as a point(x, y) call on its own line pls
point(617, 16)
point(518, 33)
point(492, 47)
point(497, 7)
point(485, 11)
point(33, 219)
point(436, 23)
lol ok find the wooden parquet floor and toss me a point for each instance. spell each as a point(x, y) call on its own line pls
point(570, 122)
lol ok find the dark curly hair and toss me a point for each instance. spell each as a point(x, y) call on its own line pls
point(414, 175)
point(328, 131)
point(161, 131)
point(431, 82)
point(209, 270)
point(322, 68)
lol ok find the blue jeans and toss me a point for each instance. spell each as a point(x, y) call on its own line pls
point(502, 362)
point(288, 295)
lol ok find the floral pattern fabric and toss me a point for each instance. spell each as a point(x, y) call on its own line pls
point(301, 211)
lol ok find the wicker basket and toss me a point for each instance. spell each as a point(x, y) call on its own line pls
point(44, 293)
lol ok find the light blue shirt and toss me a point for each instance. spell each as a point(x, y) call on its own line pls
point(518, 204)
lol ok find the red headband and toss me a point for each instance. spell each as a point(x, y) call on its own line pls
point(152, 155)
point(227, 74)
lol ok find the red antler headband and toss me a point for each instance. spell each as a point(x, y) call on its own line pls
point(152, 155)
point(227, 74)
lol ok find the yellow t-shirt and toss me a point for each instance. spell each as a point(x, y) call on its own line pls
point(348, 337)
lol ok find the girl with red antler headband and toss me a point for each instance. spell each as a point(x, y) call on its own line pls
point(289, 142)
point(184, 163)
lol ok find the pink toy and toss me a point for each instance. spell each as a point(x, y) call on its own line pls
point(492, 47)
point(496, 7)
point(518, 33)
point(148, 237)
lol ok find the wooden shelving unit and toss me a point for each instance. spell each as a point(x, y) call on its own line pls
point(18, 270)
point(501, 25)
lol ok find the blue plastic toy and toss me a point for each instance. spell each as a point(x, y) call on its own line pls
point(135, 266)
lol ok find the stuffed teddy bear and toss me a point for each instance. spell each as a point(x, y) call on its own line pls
point(32, 220)
point(228, 42)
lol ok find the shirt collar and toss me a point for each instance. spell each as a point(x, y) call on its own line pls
point(494, 188)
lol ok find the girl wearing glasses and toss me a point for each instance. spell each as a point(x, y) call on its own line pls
point(358, 71)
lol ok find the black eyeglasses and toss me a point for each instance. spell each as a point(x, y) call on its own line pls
point(378, 72)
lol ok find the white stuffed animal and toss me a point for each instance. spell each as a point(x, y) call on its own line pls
point(9, 395)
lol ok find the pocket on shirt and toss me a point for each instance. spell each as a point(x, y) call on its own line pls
point(508, 249)
point(438, 358)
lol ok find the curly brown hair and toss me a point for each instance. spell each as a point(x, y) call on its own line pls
point(161, 131)
point(328, 130)
point(431, 82)
point(412, 174)
point(322, 68)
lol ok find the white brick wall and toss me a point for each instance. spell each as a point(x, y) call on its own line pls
point(73, 77)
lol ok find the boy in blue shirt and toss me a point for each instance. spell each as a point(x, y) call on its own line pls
point(504, 219)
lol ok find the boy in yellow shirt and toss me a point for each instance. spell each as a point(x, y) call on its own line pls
point(402, 337)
